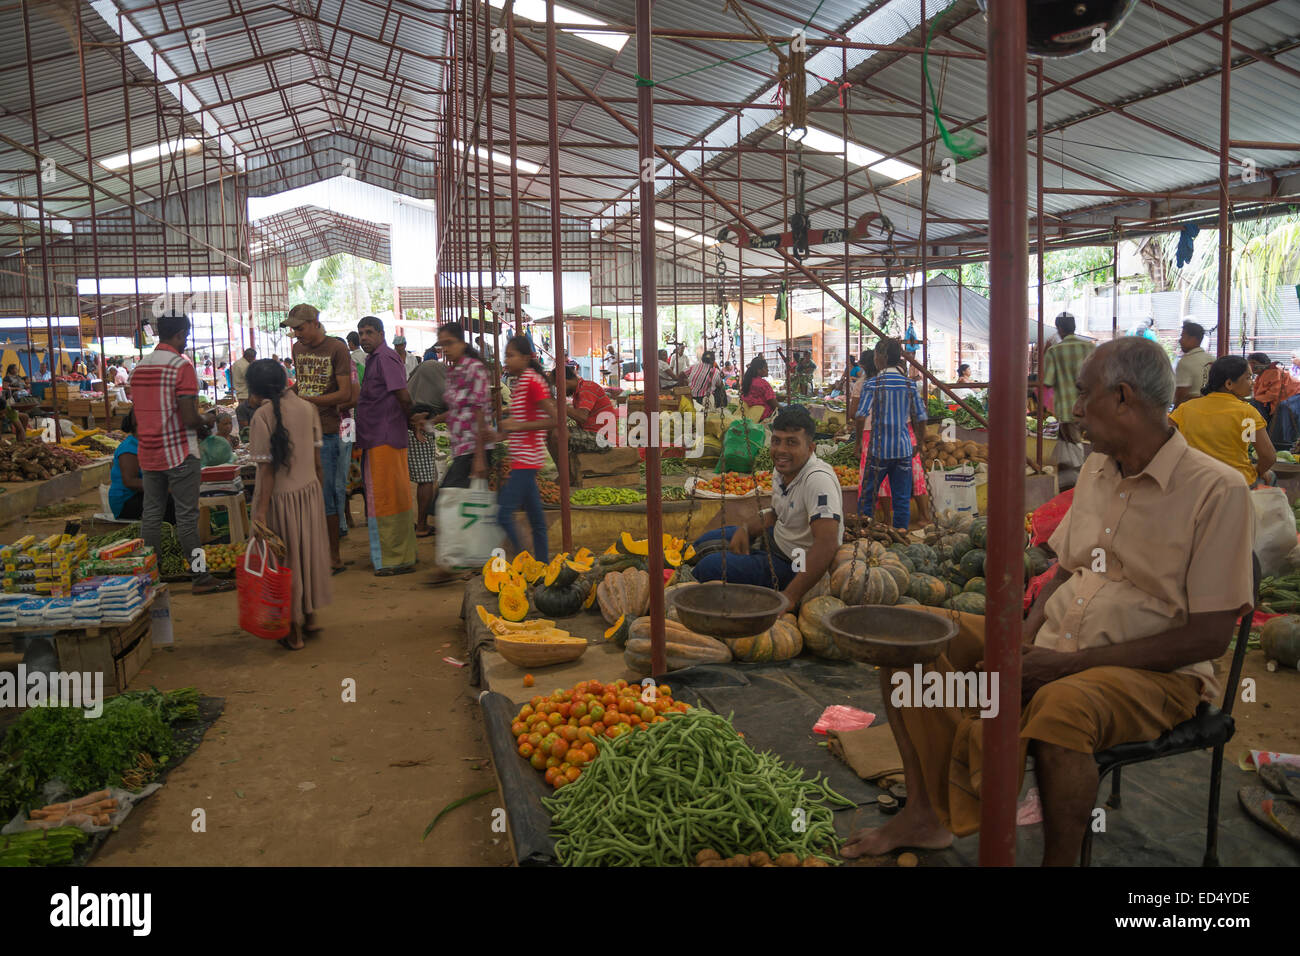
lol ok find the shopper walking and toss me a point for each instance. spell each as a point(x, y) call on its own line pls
point(890, 401)
point(165, 399)
point(238, 373)
point(467, 397)
point(532, 414)
point(384, 419)
point(285, 441)
point(324, 380)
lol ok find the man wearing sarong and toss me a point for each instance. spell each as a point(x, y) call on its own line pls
point(1155, 568)
point(383, 420)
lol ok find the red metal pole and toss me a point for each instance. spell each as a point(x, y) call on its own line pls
point(557, 279)
point(518, 311)
point(1225, 224)
point(1038, 377)
point(1008, 272)
point(650, 334)
point(925, 201)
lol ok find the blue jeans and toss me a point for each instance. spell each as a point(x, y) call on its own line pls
point(341, 482)
point(749, 568)
point(899, 473)
point(330, 450)
point(521, 491)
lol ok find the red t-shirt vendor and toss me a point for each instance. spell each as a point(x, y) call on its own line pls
point(589, 409)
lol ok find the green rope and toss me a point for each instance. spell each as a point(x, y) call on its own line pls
point(964, 147)
point(642, 81)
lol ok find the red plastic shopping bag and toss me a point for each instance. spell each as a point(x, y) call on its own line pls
point(265, 591)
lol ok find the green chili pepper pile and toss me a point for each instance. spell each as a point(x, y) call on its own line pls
point(658, 797)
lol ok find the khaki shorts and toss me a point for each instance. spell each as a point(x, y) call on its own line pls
point(1088, 712)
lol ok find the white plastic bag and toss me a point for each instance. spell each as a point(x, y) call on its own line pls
point(1275, 532)
point(467, 525)
point(953, 490)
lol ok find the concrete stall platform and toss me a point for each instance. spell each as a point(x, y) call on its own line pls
point(21, 498)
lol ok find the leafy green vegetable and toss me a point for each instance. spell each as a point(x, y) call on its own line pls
point(86, 754)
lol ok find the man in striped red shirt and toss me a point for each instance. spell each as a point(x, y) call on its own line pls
point(164, 396)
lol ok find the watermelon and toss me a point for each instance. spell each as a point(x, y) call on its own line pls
point(979, 532)
point(975, 586)
point(972, 563)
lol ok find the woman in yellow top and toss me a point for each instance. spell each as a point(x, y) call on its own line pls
point(1223, 425)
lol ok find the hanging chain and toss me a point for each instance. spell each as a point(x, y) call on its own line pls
point(799, 218)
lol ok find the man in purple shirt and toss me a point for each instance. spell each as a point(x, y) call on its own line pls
point(383, 416)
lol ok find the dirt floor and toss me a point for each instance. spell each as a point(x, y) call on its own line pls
point(292, 775)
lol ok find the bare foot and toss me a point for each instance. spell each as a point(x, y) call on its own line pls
point(909, 828)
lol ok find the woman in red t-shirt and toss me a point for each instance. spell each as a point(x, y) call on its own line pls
point(532, 414)
point(755, 390)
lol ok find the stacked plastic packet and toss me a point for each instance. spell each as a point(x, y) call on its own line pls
point(9, 609)
point(120, 599)
point(48, 567)
point(122, 557)
point(31, 613)
point(85, 609)
point(58, 613)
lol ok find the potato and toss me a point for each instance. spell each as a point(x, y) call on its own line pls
point(740, 859)
point(706, 855)
point(759, 859)
point(714, 863)
point(787, 859)
point(908, 859)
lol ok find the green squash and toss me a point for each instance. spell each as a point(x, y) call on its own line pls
point(972, 563)
point(927, 589)
point(1038, 561)
point(967, 602)
point(907, 599)
point(979, 532)
point(922, 556)
point(1280, 640)
point(975, 586)
point(957, 544)
point(561, 602)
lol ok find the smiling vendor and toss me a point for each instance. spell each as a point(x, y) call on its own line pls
point(804, 526)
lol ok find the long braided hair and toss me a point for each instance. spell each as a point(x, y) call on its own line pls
point(267, 380)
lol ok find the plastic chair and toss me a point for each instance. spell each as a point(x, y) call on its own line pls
point(1210, 726)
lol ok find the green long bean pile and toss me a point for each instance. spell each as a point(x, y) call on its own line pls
point(657, 797)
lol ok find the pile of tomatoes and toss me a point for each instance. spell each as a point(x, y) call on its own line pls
point(557, 734)
point(731, 484)
point(849, 476)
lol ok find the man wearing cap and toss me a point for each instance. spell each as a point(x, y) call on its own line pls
point(323, 377)
point(399, 345)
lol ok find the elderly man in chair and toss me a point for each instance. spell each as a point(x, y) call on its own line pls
point(1155, 568)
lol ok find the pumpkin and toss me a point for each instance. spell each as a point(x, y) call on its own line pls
point(512, 604)
point(495, 574)
point(631, 546)
point(972, 563)
point(817, 637)
point(923, 557)
point(584, 556)
point(979, 532)
point(780, 642)
point(950, 520)
point(907, 600)
point(957, 544)
point(590, 599)
point(866, 572)
point(1280, 640)
point(682, 647)
point(823, 586)
point(624, 593)
point(968, 602)
point(1038, 561)
point(561, 572)
point(561, 601)
point(618, 631)
point(683, 575)
point(976, 586)
point(927, 589)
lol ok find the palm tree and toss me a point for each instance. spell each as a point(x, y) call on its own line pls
point(1266, 257)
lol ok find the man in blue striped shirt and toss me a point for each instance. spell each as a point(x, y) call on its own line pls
point(889, 400)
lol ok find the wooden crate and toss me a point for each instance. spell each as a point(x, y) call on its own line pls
point(118, 651)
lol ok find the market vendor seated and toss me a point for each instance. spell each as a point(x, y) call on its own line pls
point(1155, 568)
point(590, 414)
point(804, 526)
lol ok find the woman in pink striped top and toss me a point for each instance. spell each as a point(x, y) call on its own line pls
point(532, 414)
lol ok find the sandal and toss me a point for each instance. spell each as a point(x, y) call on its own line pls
point(427, 533)
point(389, 572)
point(284, 642)
point(338, 569)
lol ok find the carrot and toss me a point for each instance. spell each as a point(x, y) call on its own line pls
point(101, 820)
point(89, 798)
point(55, 806)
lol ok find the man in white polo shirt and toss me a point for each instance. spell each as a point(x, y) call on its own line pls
point(802, 529)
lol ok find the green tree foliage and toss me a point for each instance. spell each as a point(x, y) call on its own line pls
point(344, 287)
